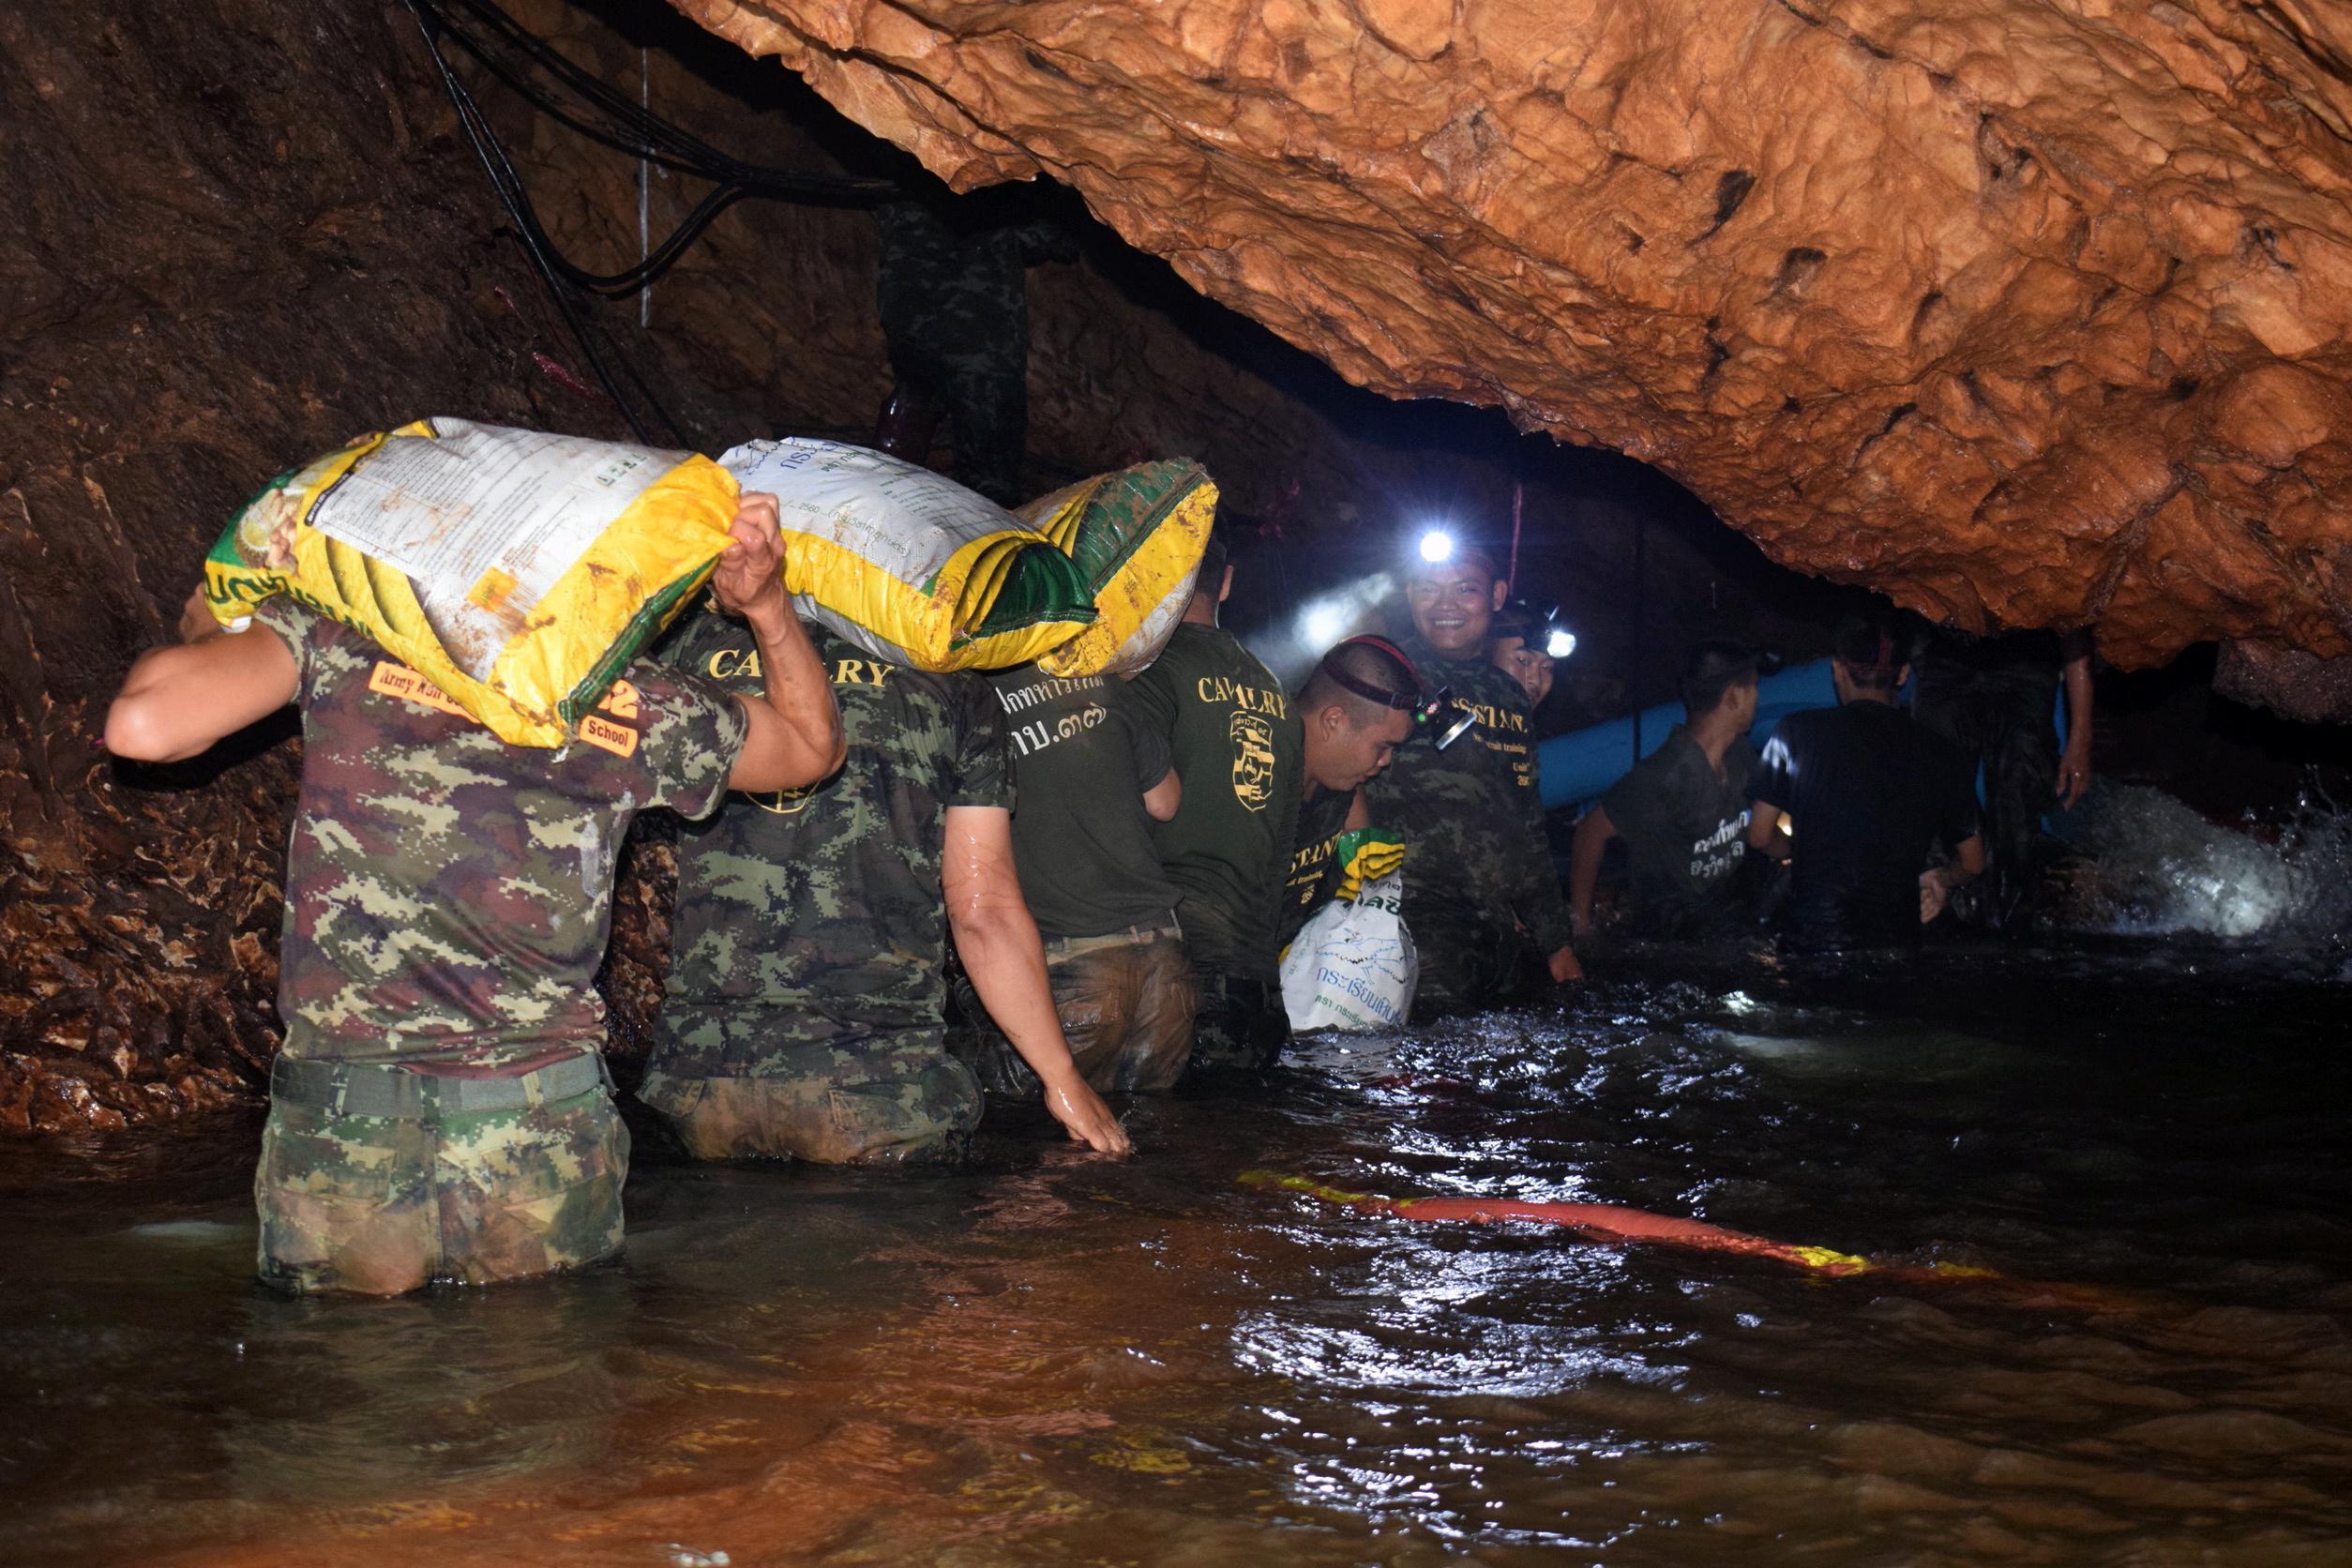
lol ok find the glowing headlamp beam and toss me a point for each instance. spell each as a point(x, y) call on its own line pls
point(1560, 643)
point(1437, 546)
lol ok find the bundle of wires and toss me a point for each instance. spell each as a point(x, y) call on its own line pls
point(575, 97)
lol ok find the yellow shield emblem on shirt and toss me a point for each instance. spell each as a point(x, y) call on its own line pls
point(1253, 759)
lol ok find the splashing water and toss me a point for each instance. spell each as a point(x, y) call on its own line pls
point(2156, 869)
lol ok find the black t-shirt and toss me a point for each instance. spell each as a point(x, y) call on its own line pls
point(1869, 794)
point(1081, 761)
point(1685, 830)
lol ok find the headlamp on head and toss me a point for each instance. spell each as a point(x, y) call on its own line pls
point(1439, 717)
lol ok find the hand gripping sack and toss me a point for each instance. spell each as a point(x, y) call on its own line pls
point(519, 572)
point(1137, 536)
point(908, 565)
point(1353, 966)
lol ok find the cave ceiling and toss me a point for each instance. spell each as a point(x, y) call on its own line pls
point(2024, 313)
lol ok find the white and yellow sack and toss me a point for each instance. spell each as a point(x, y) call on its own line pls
point(910, 565)
point(517, 571)
point(1135, 537)
point(1353, 966)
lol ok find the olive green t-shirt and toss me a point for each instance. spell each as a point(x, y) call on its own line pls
point(1238, 749)
point(1314, 875)
point(1081, 761)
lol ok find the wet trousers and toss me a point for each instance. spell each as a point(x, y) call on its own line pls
point(1126, 1001)
point(2003, 719)
point(376, 1204)
point(1239, 1025)
point(906, 1103)
point(1466, 964)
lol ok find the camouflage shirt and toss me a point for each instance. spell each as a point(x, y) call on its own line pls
point(1238, 750)
point(448, 896)
point(1471, 815)
point(816, 916)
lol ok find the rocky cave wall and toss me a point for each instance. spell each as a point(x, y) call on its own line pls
point(245, 230)
point(2024, 313)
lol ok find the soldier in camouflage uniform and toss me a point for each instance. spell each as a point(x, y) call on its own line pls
point(1479, 885)
point(1355, 713)
point(440, 1110)
point(953, 298)
point(803, 1013)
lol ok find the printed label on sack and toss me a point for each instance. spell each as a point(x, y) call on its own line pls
point(485, 520)
point(904, 520)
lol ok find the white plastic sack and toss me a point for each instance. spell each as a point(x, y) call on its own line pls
point(1353, 967)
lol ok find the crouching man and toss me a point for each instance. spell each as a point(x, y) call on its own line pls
point(439, 1111)
point(805, 1014)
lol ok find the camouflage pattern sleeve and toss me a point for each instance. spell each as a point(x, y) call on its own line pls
point(297, 627)
point(983, 760)
point(690, 733)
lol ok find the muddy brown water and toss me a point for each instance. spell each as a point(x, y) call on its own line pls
point(1052, 1358)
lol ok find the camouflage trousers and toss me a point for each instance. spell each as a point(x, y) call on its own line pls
point(909, 1103)
point(1125, 1003)
point(1466, 964)
point(1239, 1026)
point(377, 1205)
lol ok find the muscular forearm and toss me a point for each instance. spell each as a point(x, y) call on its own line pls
point(805, 742)
point(1006, 960)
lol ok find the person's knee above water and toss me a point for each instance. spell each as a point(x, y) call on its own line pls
point(805, 1010)
point(1868, 795)
point(1354, 711)
point(1682, 810)
point(1230, 728)
point(439, 1110)
point(1092, 775)
point(1479, 884)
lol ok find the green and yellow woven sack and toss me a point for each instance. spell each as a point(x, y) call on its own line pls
point(519, 572)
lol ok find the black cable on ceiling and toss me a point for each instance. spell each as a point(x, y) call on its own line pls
point(522, 60)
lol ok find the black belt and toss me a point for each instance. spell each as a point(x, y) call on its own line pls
point(367, 1089)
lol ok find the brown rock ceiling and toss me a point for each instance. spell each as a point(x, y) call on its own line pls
point(2024, 313)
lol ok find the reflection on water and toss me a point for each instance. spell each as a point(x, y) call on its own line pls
point(1052, 1358)
point(2156, 868)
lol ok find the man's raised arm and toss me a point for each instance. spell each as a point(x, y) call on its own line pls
point(795, 736)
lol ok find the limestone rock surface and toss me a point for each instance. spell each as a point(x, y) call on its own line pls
point(2026, 313)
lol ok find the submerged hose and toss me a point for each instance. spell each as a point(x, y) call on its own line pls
point(1608, 1222)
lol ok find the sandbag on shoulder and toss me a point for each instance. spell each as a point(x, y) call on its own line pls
point(907, 563)
point(516, 570)
point(1137, 536)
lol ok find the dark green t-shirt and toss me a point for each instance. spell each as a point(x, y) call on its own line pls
point(1237, 747)
point(811, 916)
point(1684, 830)
point(1314, 874)
point(1081, 839)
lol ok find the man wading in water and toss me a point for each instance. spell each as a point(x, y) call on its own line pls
point(1868, 795)
point(1479, 885)
point(438, 1112)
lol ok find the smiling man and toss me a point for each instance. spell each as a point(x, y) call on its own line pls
point(1479, 887)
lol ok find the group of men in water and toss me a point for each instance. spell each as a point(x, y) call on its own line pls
point(901, 891)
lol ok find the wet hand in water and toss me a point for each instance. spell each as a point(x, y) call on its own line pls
point(749, 581)
point(1088, 1120)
